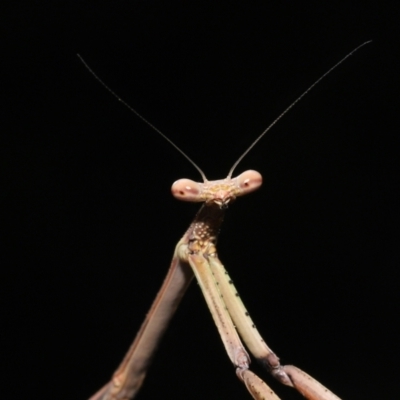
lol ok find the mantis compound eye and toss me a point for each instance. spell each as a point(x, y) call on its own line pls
point(248, 182)
point(187, 190)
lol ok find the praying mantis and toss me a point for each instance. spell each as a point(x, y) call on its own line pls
point(195, 255)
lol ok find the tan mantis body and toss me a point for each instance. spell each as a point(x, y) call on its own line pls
point(195, 254)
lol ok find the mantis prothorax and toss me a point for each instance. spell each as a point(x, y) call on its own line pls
point(196, 255)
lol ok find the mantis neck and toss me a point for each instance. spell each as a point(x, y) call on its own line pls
point(203, 231)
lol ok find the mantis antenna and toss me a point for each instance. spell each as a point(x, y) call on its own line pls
point(144, 119)
point(253, 143)
point(293, 104)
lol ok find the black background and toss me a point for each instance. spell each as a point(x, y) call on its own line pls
point(90, 225)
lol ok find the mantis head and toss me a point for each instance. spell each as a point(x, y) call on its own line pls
point(220, 192)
